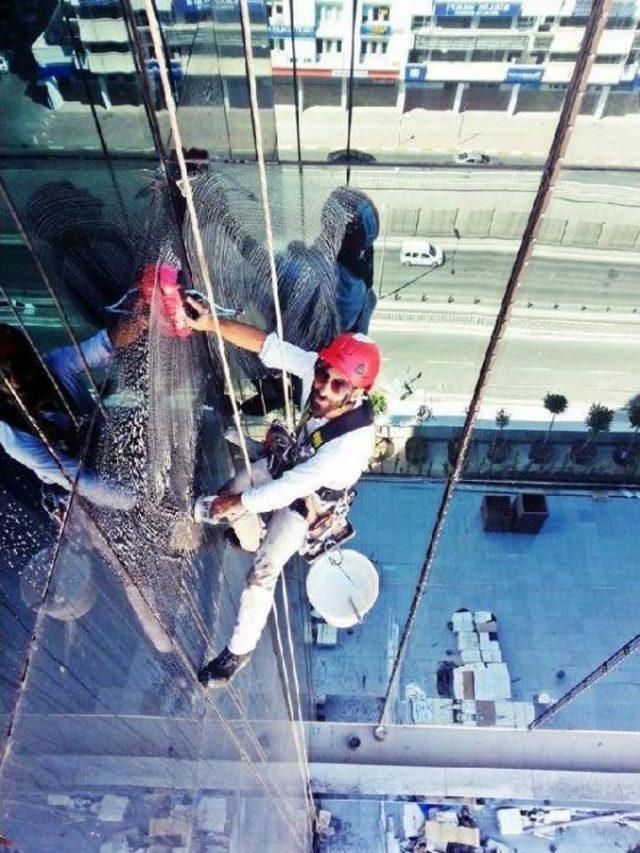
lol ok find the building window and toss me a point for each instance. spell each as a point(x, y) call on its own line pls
point(274, 10)
point(616, 23)
point(609, 58)
point(419, 21)
point(546, 24)
point(486, 23)
point(448, 55)
point(524, 23)
point(461, 23)
point(375, 13)
point(106, 47)
point(574, 21)
point(328, 46)
point(328, 12)
point(487, 55)
point(563, 57)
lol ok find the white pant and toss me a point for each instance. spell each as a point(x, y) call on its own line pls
point(285, 534)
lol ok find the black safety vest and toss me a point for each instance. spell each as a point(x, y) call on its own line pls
point(354, 419)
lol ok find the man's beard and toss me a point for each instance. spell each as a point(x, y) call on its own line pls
point(321, 407)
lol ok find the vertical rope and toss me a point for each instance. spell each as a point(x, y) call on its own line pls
point(188, 195)
point(352, 58)
point(262, 173)
point(570, 109)
point(244, 15)
point(204, 271)
point(296, 94)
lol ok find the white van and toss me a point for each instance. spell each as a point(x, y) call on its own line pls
point(421, 253)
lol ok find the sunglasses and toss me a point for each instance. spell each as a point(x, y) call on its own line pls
point(322, 375)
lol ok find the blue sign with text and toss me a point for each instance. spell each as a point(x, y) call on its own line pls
point(415, 73)
point(280, 31)
point(524, 74)
point(471, 10)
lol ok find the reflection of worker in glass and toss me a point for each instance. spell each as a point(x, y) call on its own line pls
point(340, 261)
point(25, 385)
point(303, 484)
point(354, 295)
point(324, 288)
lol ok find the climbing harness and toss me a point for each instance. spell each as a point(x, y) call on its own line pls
point(326, 510)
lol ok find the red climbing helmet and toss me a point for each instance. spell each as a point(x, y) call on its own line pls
point(355, 356)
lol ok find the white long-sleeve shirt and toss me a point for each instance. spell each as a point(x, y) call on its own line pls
point(337, 464)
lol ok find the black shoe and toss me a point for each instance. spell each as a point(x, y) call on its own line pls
point(221, 670)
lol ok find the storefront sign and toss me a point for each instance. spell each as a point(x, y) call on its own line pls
point(415, 73)
point(375, 30)
point(524, 74)
point(471, 10)
point(280, 31)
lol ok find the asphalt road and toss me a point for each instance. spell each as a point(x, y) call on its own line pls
point(467, 276)
point(585, 370)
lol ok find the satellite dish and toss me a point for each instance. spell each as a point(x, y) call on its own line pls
point(342, 586)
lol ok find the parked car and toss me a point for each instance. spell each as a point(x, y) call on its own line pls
point(421, 253)
point(344, 157)
point(472, 158)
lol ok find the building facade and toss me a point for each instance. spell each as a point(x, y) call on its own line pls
point(508, 57)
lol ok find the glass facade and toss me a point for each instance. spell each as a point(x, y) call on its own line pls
point(113, 420)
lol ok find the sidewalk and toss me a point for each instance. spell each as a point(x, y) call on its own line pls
point(530, 321)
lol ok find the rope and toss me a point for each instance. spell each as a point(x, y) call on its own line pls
point(302, 750)
point(570, 109)
point(154, 30)
point(262, 173)
point(299, 737)
point(354, 18)
point(188, 194)
point(65, 320)
point(578, 689)
point(296, 93)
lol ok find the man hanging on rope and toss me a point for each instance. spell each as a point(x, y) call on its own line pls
point(304, 480)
